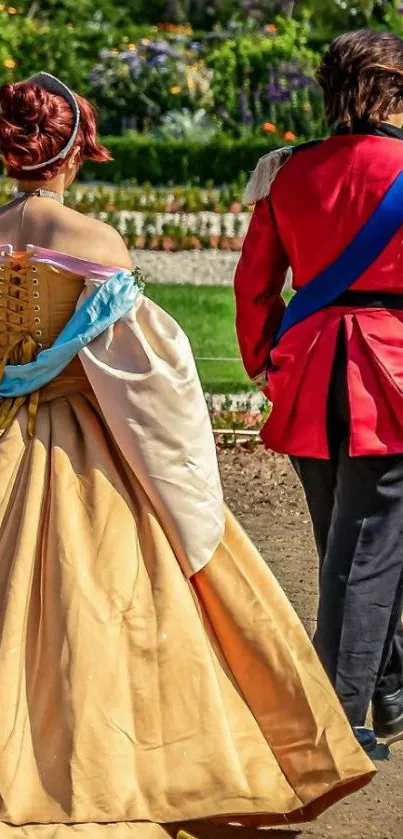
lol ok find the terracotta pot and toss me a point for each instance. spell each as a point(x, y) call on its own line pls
point(140, 242)
point(224, 243)
point(214, 241)
point(237, 243)
point(235, 207)
point(168, 244)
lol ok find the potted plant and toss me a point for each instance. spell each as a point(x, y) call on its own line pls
point(168, 237)
point(131, 233)
point(224, 243)
point(150, 228)
point(237, 240)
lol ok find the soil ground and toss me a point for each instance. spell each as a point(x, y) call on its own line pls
point(263, 492)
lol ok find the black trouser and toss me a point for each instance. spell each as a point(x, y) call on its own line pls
point(356, 507)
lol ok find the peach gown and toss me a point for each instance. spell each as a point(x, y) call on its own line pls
point(135, 698)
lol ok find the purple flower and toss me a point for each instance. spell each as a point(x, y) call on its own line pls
point(128, 55)
point(246, 114)
point(297, 80)
point(96, 76)
point(273, 92)
point(163, 48)
point(157, 61)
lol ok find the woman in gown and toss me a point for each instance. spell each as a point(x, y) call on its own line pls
point(152, 672)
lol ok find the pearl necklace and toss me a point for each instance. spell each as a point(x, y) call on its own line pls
point(41, 193)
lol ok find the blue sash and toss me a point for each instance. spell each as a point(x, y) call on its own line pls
point(361, 252)
point(110, 301)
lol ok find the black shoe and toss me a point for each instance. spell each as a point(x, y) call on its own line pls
point(368, 742)
point(388, 715)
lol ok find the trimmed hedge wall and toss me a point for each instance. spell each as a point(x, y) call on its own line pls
point(143, 159)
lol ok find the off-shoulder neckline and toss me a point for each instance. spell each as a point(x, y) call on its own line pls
point(75, 264)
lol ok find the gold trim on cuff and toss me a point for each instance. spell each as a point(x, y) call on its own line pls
point(260, 380)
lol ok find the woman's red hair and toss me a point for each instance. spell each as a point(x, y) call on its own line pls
point(34, 127)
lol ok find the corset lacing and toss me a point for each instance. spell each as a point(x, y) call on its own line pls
point(17, 305)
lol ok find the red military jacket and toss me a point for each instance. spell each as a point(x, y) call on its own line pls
point(319, 200)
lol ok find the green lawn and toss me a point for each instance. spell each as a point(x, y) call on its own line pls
point(207, 313)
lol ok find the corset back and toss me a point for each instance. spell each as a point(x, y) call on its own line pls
point(36, 301)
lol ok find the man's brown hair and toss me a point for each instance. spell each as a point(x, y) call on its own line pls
point(361, 75)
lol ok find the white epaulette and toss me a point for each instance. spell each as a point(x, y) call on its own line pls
point(263, 177)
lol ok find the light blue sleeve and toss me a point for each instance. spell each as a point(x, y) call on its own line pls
point(110, 301)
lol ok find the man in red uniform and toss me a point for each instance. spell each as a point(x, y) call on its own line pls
point(334, 374)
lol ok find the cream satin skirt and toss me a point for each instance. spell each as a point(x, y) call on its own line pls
point(129, 697)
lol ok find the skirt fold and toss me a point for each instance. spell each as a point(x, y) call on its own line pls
point(131, 698)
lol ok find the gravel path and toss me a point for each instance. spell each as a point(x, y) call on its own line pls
point(205, 267)
point(264, 493)
point(195, 267)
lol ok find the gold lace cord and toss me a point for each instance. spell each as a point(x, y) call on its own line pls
point(21, 351)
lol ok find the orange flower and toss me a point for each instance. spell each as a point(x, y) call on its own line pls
point(290, 136)
point(9, 64)
point(175, 90)
point(174, 29)
point(269, 128)
point(11, 10)
point(271, 27)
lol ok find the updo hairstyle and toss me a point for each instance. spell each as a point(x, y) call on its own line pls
point(35, 125)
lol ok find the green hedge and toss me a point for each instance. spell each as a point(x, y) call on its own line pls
point(143, 159)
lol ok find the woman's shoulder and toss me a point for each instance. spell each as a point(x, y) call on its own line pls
point(98, 240)
point(79, 235)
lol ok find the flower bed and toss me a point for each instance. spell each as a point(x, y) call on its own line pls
point(256, 79)
point(161, 219)
point(238, 65)
point(170, 220)
point(238, 428)
point(147, 199)
point(180, 231)
point(171, 83)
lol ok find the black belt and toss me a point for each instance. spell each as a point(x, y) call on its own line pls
point(369, 300)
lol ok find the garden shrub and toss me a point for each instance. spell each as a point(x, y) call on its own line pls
point(147, 160)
